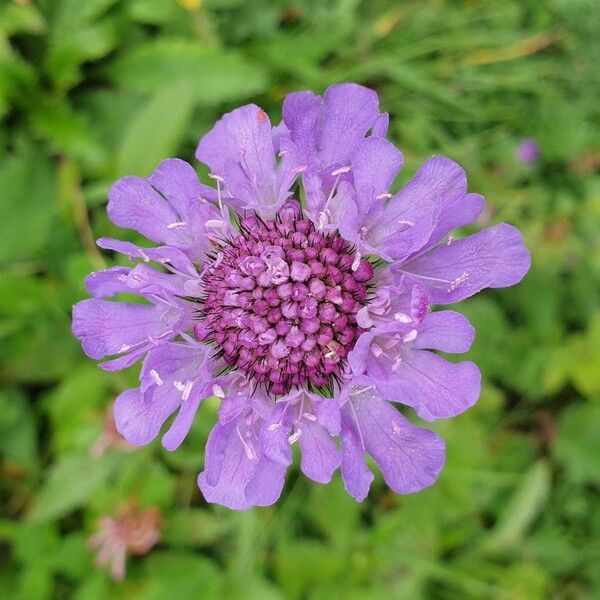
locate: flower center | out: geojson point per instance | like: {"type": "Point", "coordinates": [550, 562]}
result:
{"type": "Point", "coordinates": [281, 300]}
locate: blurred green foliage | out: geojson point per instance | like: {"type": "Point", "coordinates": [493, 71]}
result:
{"type": "Point", "coordinates": [94, 89]}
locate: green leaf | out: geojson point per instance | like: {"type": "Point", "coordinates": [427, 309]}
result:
{"type": "Point", "coordinates": [69, 484]}
{"type": "Point", "coordinates": [577, 445]}
{"type": "Point", "coordinates": [155, 132]}
{"type": "Point", "coordinates": [214, 76]}
{"type": "Point", "coordinates": [522, 509]}
{"type": "Point", "coordinates": [28, 184]}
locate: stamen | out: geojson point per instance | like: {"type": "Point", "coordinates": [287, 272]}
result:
{"type": "Point", "coordinates": [410, 336]}
{"type": "Point", "coordinates": [341, 171]}
{"type": "Point", "coordinates": [156, 377]}
{"type": "Point", "coordinates": [402, 317]}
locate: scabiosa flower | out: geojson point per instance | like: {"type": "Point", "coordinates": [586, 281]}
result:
{"type": "Point", "coordinates": [132, 531]}
{"type": "Point", "coordinates": [528, 152]}
{"type": "Point", "coordinates": [297, 289]}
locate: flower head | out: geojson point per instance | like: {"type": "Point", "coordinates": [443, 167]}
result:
{"type": "Point", "coordinates": [131, 531]}
{"type": "Point", "coordinates": [528, 152]}
{"type": "Point", "coordinates": [307, 313]}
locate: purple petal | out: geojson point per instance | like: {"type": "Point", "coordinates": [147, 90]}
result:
{"type": "Point", "coordinates": [434, 387]}
{"type": "Point", "coordinates": [495, 257]}
{"type": "Point", "coordinates": [350, 111]}
{"type": "Point", "coordinates": [456, 211]}
{"type": "Point", "coordinates": [445, 330]}
{"type": "Point", "coordinates": [181, 425]}
{"type": "Point", "coordinates": [139, 421]}
{"type": "Point", "coordinates": [164, 255]}
{"type": "Point", "coordinates": [103, 284]}
{"type": "Point", "coordinates": [239, 149]}
{"type": "Point", "coordinates": [320, 454]}
{"type": "Point", "coordinates": [134, 204]}
{"type": "Point", "coordinates": [410, 458]}
{"type": "Point", "coordinates": [375, 164]}
{"type": "Point", "coordinates": [327, 411]}
{"type": "Point", "coordinates": [381, 125]}
{"type": "Point", "coordinates": [409, 219]}
{"type": "Point", "coordinates": [301, 114]}
{"type": "Point", "coordinates": [243, 135]}
{"type": "Point", "coordinates": [228, 467]}
{"type": "Point", "coordinates": [446, 181]}
{"type": "Point", "coordinates": [178, 182]}
{"type": "Point", "coordinates": [266, 484]}
{"type": "Point", "coordinates": [355, 473]}
{"type": "Point", "coordinates": [108, 328]}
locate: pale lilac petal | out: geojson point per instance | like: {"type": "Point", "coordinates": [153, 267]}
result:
{"type": "Point", "coordinates": [181, 425]}
{"type": "Point", "coordinates": [242, 135]}
{"type": "Point", "coordinates": [164, 255]}
{"type": "Point", "coordinates": [266, 484]}
{"type": "Point", "coordinates": [239, 149]}
{"type": "Point", "coordinates": [445, 330]}
{"type": "Point", "coordinates": [228, 467]}
{"type": "Point", "coordinates": [381, 125]}
{"type": "Point", "coordinates": [301, 114]}
{"type": "Point", "coordinates": [320, 454]}
{"type": "Point", "coordinates": [410, 458]}
{"type": "Point", "coordinates": [106, 328]}
{"type": "Point", "coordinates": [140, 421]}
{"type": "Point", "coordinates": [411, 216]}
{"type": "Point", "coordinates": [275, 433]}
{"type": "Point", "coordinates": [178, 182]}
{"type": "Point", "coordinates": [434, 387]}
{"type": "Point", "coordinates": [327, 411]}
{"type": "Point", "coordinates": [495, 257]}
{"type": "Point", "coordinates": [125, 361]}
{"type": "Point", "coordinates": [134, 204]}
{"type": "Point", "coordinates": [350, 111]}
{"type": "Point", "coordinates": [456, 211]}
{"type": "Point", "coordinates": [355, 473]}
{"type": "Point", "coordinates": [109, 282]}
{"type": "Point", "coordinates": [375, 164]}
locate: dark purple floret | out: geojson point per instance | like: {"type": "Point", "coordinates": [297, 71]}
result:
{"type": "Point", "coordinates": [281, 302]}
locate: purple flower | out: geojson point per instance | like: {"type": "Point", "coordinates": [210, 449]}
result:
{"type": "Point", "coordinates": [310, 319]}
{"type": "Point", "coordinates": [528, 152]}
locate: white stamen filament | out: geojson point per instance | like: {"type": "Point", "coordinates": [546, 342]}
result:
{"type": "Point", "coordinates": [402, 317]}
{"type": "Point", "coordinates": [410, 336]}
{"type": "Point", "coordinates": [156, 377]}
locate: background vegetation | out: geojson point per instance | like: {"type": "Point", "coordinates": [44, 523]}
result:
{"type": "Point", "coordinates": [94, 89]}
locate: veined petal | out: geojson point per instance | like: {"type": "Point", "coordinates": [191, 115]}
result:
{"type": "Point", "coordinates": [445, 330]}
{"type": "Point", "coordinates": [138, 420]}
{"type": "Point", "coordinates": [434, 387]}
{"type": "Point", "coordinates": [107, 328]}
{"type": "Point", "coordinates": [229, 464]}
{"type": "Point", "coordinates": [375, 164]}
{"type": "Point", "coordinates": [134, 204]}
{"type": "Point", "coordinates": [320, 454]}
{"type": "Point", "coordinates": [495, 257]}
{"type": "Point", "coordinates": [410, 458]}
{"type": "Point", "coordinates": [178, 182]}
{"type": "Point", "coordinates": [109, 282]}
{"type": "Point", "coordinates": [355, 473]}
{"type": "Point", "coordinates": [350, 111]}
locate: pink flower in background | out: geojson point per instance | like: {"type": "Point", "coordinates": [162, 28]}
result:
{"type": "Point", "coordinates": [528, 152]}
{"type": "Point", "coordinates": [133, 531]}
{"type": "Point", "coordinates": [298, 290]}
